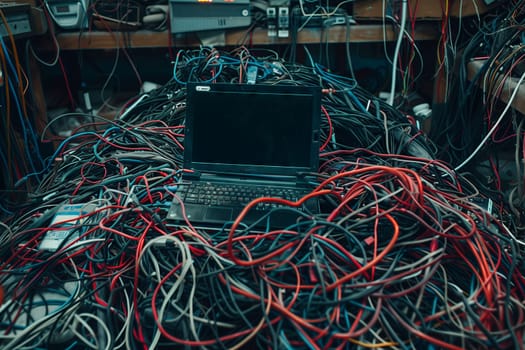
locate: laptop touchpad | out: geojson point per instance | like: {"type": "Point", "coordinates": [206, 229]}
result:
{"type": "Point", "coordinates": [221, 214]}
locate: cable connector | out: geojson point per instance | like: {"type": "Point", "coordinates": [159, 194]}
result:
{"type": "Point", "coordinates": [339, 19]}
{"type": "Point", "coordinates": [328, 91]}
{"type": "Point", "coordinates": [422, 111]}
{"type": "Point", "coordinates": [251, 74]}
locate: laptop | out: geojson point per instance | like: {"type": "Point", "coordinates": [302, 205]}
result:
{"type": "Point", "coordinates": [258, 137]}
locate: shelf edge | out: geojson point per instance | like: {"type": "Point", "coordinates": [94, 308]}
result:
{"type": "Point", "coordinates": [148, 39]}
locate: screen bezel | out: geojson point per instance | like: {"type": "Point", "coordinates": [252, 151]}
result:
{"type": "Point", "coordinates": [314, 95]}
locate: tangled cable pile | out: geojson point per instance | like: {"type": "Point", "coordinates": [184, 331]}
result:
{"type": "Point", "coordinates": [407, 253]}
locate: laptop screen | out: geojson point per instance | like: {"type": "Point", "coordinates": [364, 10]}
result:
{"type": "Point", "coordinates": [252, 129]}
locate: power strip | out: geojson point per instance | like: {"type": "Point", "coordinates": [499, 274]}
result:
{"type": "Point", "coordinates": [66, 226]}
{"type": "Point", "coordinates": [18, 18]}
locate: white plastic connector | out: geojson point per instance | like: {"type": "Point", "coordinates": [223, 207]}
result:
{"type": "Point", "coordinates": [148, 86]}
{"type": "Point", "coordinates": [87, 102]}
{"type": "Point", "coordinates": [422, 111]}
{"type": "Point", "coordinates": [384, 95]}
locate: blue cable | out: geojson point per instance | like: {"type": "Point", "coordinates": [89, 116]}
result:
{"type": "Point", "coordinates": [330, 77]}
{"type": "Point", "coordinates": [27, 130]}
{"type": "Point", "coordinates": [72, 346]}
{"type": "Point", "coordinates": [434, 307]}
{"type": "Point", "coordinates": [26, 126]}
{"type": "Point", "coordinates": [6, 51]}
{"type": "Point", "coordinates": [99, 141]}
{"type": "Point", "coordinates": [334, 249]}
{"type": "Point", "coordinates": [306, 341]}
{"type": "Point", "coordinates": [350, 82]}
{"type": "Point", "coordinates": [5, 210]}
{"type": "Point", "coordinates": [285, 342]}
{"type": "Point", "coordinates": [221, 61]}
{"type": "Point", "coordinates": [177, 63]}
{"type": "Point", "coordinates": [3, 159]}
{"type": "Point", "coordinates": [63, 143]}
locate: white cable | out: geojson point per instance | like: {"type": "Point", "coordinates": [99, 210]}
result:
{"type": "Point", "coordinates": [91, 332]}
{"type": "Point", "coordinates": [404, 11]}
{"type": "Point", "coordinates": [387, 132]}
{"type": "Point", "coordinates": [325, 13]}
{"type": "Point", "coordinates": [514, 238]}
{"type": "Point", "coordinates": [100, 323]}
{"type": "Point", "coordinates": [495, 126]}
{"type": "Point", "coordinates": [110, 76]}
{"type": "Point", "coordinates": [126, 112]}
{"type": "Point", "coordinates": [127, 321]}
{"type": "Point", "coordinates": [54, 61]}
{"type": "Point", "coordinates": [32, 331]}
{"type": "Point", "coordinates": [187, 268]}
{"type": "Point", "coordinates": [409, 38]}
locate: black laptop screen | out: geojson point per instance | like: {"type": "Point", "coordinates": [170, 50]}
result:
{"type": "Point", "coordinates": [239, 128]}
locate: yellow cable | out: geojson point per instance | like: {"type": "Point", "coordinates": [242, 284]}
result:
{"type": "Point", "coordinates": [17, 63]}
{"type": "Point", "coordinates": [373, 346]}
{"type": "Point", "coordinates": [5, 79]}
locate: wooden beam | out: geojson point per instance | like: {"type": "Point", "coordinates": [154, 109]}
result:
{"type": "Point", "coordinates": [509, 84]}
{"type": "Point", "coordinates": [149, 39]}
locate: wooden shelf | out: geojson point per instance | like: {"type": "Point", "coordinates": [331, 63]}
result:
{"type": "Point", "coordinates": [509, 84]}
{"type": "Point", "coordinates": [105, 40]}
{"type": "Point", "coordinates": [148, 39]}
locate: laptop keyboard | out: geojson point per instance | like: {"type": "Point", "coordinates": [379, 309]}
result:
{"type": "Point", "coordinates": [235, 195]}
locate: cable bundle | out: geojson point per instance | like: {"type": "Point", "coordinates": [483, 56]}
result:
{"type": "Point", "coordinates": [20, 152]}
{"type": "Point", "coordinates": [478, 131]}
{"type": "Point", "coordinates": [406, 254]}
{"type": "Point", "coordinates": [403, 258]}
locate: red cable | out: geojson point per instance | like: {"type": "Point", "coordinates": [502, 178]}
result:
{"type": "Point", "coordinates": [66, 81]}
{"type": "Point", "coordinates": [330, 128]}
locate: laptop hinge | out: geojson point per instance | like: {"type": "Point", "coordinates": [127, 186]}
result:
{"type": "Point", "coordinates": [300, 180]}
{"type": "Point", "coordinates": [305, 180]}
{"type": "Point", "coordinates": [192, 175]}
